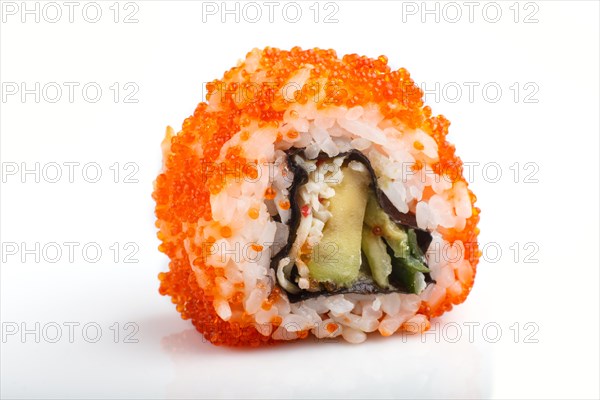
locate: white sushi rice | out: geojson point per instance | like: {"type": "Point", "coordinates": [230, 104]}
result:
{"type": "Point", "coordinates": [332, 130]}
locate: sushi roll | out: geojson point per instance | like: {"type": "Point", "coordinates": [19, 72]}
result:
{"type": "Point", "coordinates": [313, 196]}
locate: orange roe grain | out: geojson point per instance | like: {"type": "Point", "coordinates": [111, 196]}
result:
{"type": "Point", "coordinates": [417, 166]}
{"type": "Point", "coordinates": [253, 213]}
{"type": "Point", "coordinates": [292, 134]}
{"type": "Point", "coordinates": [284, 205]}
{"type": "Point", "coordinates": [225, 231]}
{"type": "Point", "coordinates": [270, 193]}
{"type": "Point", "coordinates": [303, 334]}
{"type": "Point", "coordinates": [256, 247]}
{"type": "Point", "coordinates": [238, 297]}
{"type": "Point", "coordinates": [250, 171]}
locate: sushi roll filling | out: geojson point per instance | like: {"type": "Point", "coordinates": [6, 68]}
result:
{"type": "Point", "coordinates": [345, 235]}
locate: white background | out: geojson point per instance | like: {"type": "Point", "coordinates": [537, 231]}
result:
{"type": "Point", "coordinates": [168, 54]}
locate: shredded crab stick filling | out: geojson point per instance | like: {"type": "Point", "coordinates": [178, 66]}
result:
{"type": "Point", "coordinates": [313, 195]}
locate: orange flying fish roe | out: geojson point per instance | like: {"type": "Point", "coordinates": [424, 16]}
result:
{"type": "Point", "coordinates": [182, 190]}
{"type": "Point", "coordinates": [284, 204]}
{"type": "Point", "coordinates": [251, 171]}
{"type": "Point", "coordinates": [225, 231]}
{"type": "Point", "coordinates": [253, 213]}
{"type": "Point", "coordinates": [270, 193]}
{"type": "Point", "coordinates": [292, 134]}
{"type": "Point", "coordinates": [256, 247]}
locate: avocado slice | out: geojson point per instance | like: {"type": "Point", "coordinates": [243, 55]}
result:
{"type": "Point", "coordinates": [336, 259]}
{"type": "Point", "coordinates": [395, 236]}
{"type": "Point", "coordinates": [378, 259]}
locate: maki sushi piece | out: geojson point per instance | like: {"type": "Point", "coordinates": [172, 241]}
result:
{"type": "Point", "coordinates": [312, 195]}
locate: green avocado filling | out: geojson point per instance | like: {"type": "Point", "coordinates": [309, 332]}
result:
{"type": "Point", "coordinates": [360, 236]}
{"type": "Point", "coordinates": [337, 258]}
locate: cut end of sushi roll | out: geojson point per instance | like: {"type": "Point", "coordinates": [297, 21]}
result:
{"type": "Point", "coordinates": [313, 195]}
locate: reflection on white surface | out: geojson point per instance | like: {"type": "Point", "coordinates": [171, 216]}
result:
{"type": "Point", "coordinates": [167, 358]}
{"type": "Point", "coordinates": [395, 367]}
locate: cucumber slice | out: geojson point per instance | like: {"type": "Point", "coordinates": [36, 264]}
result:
{"type": "Point", "coordinates": [378, 259]}
{"type": "Point", "coordinates": [408, 272]}
{"type": "Point", "coordinates": [415, 249]}
{"type": "Point", "coordinates": [411, 280]}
